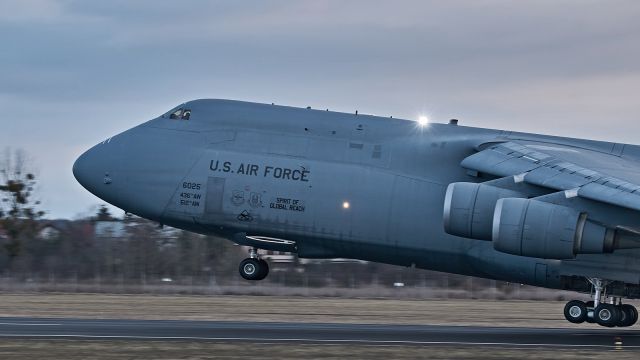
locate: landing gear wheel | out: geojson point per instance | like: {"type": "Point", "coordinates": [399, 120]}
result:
{"type": "Point", "coordinates": [253, 269]}
{"type": "Point", "coordinates": [607, 315]}
{"type": "Point", "coordinates": [250, 269]}
{"type": "Point", "coordinates": [575, 312]}
{"type": "Point", "coordinates": [629, 315]}
{"type": "Point", "coordinates": [635, 315]}
{"type": "Point", "coordinates": [265, 269]}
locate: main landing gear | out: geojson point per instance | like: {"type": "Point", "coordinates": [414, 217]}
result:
{"type": "Point", "coordinates": [604, 310]}
{"type": "Point", "coordinates": [253, 268]}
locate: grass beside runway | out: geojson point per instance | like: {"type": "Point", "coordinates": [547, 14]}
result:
{"type": "Point", "coordinates": [251, 308]}
{"type": "Point", "coordinates": [74, 349]}
{"type": "Point", "coordinates": [293, 309]}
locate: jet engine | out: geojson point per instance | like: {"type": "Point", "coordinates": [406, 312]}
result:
{"type": "Point", "coordinates": [543, 230]}
{"type": "Point", "coordinates": [469, 209]}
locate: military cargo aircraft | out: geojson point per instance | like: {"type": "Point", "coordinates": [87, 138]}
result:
{"type": "Point", "coordinates": [546, 211]}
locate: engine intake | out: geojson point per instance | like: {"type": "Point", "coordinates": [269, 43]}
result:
{"type": "Point", "coordinates": [469, 209]}
{"type": "Point", "coordinates": [543, 230]}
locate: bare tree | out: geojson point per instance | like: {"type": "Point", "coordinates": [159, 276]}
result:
{"type": "Point", "coordinates": [104, 214]}
{"type": "Point", "coordinates": [17, 185]}
{"type": "Point", "coordinates": [18, 211]}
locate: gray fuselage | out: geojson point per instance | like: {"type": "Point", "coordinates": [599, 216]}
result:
{"type": "Point", "coordinates": [330, 184]}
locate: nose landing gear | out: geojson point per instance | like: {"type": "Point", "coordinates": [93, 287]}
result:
{"type": "Point", "coordinates": [253, 268]}
{"type": "Point", "coordinates": [604, 310]}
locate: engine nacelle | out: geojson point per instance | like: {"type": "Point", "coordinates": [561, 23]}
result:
{"type": "Point", "coordinates": [543, 230]}
{"type": "Point", "coordinates": [469, 209]}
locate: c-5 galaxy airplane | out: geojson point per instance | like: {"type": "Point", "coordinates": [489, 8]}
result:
{"type": "Point", "coordinates": [546, 211]}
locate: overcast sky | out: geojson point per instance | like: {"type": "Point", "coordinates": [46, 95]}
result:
{"type": "Point", "coordinates": [73, 73]}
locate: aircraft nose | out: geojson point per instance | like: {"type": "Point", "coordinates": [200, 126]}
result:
{"type": "Point", "coordinates": [93, 170]}
{"type": "Point", "coordinates": [84, 170]}
{"type": "Point", "coordinates": [80, 169]}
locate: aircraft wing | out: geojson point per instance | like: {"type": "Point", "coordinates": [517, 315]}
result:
{"type": "Point", "coordinates": [604, 176]}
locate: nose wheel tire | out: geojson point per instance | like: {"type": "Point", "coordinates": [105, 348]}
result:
{"type": "Point", "coordinates": [575, 312]}
{"type": "Point", "coordinates": [265, 268]}
{"type": "Point", "coordinates": [253, 269]}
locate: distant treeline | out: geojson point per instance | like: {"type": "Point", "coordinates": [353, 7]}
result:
{"type": "Point", "coordinates": [136, 251]}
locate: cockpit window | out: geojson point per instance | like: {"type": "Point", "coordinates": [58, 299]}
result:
{"type": "Point", "coordinates": [179, 113]}
{"type": "Point", "coordinates": [176, 114]}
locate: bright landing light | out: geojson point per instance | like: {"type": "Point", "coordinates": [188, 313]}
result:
{"type": "Point", "coordinates": [423, 120]}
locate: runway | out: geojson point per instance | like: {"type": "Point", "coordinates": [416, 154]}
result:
{"type": "Point", "coordinates": [257, 332]}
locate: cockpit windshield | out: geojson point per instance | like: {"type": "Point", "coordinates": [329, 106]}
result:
{"type": "Point", "coordinates": [179, 113]}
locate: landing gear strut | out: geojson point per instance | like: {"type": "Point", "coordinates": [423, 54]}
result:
{"type": "Point", "coordinates": [604, 310]}
{"type": "Point", "coordinates": [253, 268]}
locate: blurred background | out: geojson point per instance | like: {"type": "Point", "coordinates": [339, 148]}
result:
{"type": "Point", "coordinates": [104, 254]}
{"type": "Point", "coordinates": [73, 73]}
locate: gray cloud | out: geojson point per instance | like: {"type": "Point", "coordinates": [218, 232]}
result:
{"type": "Point", "coordinates": [75, 72]}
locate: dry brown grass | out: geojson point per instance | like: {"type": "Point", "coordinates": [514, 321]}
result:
{"type": "Point", "coordinates": [72, 350]}
{"type": "Point", "coordinates": [292, 309]}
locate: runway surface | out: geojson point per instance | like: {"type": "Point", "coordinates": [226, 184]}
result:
{"type": "Point", "coordinates": [256, 332]}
